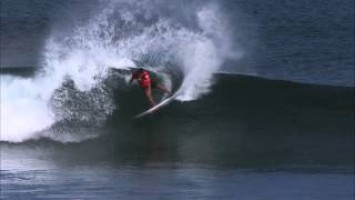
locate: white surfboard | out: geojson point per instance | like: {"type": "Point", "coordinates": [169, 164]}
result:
{"type": "Point", "coordinates": [157, 107]}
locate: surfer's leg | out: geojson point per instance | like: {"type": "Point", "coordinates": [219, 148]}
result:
{"type": "Point", "coordinates": [162, 88]}
{"type": "Point", "coordinates": [148, 94]}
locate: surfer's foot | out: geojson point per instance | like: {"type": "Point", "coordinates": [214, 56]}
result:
{"type": "Point", "coordinates": [152, 103]}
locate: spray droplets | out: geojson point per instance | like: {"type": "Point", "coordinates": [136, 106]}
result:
{"type": "Point", "coordinates": [118, 32]}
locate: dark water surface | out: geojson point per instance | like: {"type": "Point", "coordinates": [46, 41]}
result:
{"type": "Point", "coordinates": [286, 141]}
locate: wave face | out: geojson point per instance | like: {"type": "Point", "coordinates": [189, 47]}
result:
{"type": "Point", "coordinates": [282, 124]}
{"type": "Point", "coordinates": [192, 43]}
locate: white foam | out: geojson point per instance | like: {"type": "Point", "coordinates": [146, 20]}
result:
{"type": "Point", "coordinates": [24, 109]}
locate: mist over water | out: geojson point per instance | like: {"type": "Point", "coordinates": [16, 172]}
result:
{"type": "Point", "coordinates": [115, 33]}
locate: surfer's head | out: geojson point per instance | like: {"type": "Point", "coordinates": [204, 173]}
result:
{"type": "Point", "coordinates": [139, 70]}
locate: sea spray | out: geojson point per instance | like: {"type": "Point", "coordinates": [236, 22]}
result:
{"type": "Point", "coordinates": [118, 32]}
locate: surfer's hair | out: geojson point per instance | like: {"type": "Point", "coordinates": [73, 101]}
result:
{"type": "Point", "coordinates": [139, 70]}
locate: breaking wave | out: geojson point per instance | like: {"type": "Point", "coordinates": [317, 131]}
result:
{"type": "Point", "coordinates": [189, 42]}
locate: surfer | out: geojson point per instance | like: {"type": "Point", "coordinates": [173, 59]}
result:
{"type": "Point", "coordinates": [145, 81]}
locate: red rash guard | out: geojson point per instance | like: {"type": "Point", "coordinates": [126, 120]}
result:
{"type": "Point", "coordinates": [143, 78]}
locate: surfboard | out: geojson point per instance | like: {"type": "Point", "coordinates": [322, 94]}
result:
{"type": "Point", "coordinates": [157, 107]}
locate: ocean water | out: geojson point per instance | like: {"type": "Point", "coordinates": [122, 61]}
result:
{"type": "Point", "coordinates": [265, 105]}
